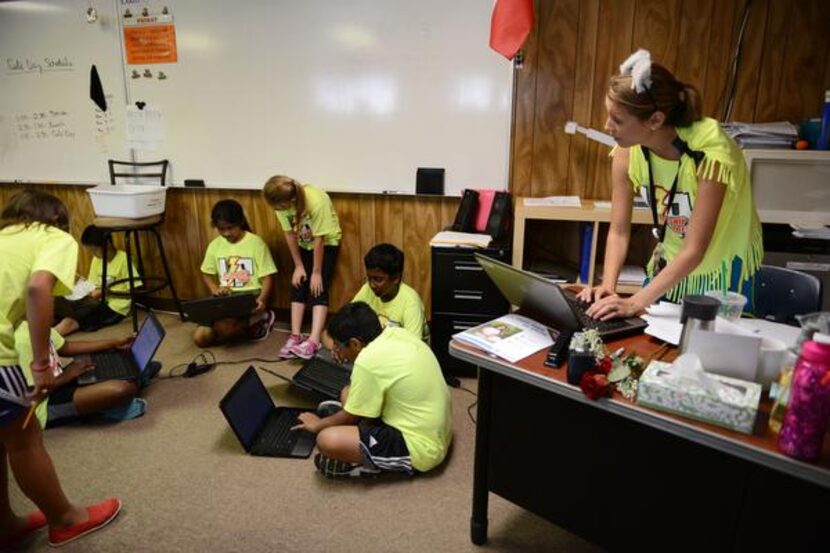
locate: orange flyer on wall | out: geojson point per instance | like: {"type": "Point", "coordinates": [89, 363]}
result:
{"type": "Point", "coordinates": [150, 44]}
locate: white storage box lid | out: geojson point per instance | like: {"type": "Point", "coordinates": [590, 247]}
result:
{"type": "Point", "coordinates": [129, 201]}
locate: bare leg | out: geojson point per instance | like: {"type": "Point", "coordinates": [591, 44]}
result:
{"type": "Point", "coordinates": [318, 321]}
{"type": "Point", "coordinates": [67, 326]}
{"type": "Point", "coordinates": [341, 442]}
{"type": "Point", "coordinates": [8, 520]}
{"type": "Point", "coordinates": [204, 337]}
{"type": "Point", "coordinates": [103, 395]}
{"type": "Point", "coordinates": [35, 473]}
{"type": "Point", "coordinates": [297, 311]}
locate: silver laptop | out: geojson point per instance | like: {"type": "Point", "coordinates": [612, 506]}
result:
{"type": "Point", "coordinates": [547, 303]}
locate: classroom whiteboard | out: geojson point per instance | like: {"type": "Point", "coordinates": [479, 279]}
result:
{"type": "Point", "coordinates": [347, 95]}
{"type": "Point", "coordinates": [50, 130]}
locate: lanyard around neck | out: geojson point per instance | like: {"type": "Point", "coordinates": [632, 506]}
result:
{"type": "Point", "coordinates": [681, 146]}
{"type": "Point", "coordinates": [659, 231]}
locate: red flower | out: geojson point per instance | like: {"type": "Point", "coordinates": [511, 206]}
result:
{"type": "Point", "coordinates": [604, 366]}
{"type": "Point", "coordinates": [594, 385]}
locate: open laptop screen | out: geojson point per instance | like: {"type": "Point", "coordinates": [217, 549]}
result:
{"type": "Point", "coordinates": [147, 342]}
{"type": "Point", "coordinates": [246, 407]}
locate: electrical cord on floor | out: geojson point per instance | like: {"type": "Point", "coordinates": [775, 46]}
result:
{"type": "Point", "coordinates": [473, 404]}
{"type": "Point", "coordinates": [201, 363]}
{"type": "Point", "coordinates": [206, 361]}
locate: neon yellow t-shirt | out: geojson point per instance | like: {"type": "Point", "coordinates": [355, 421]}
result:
{"type": "Point", "coordinates": [396, 378]}
{"type": "Point", "coordinates": [737, 235]}
{"type": "Point", "coordinates": [320, 220]}
{"type": "Point", "coordinates": [116, 270]}
{"type": "Point", "coordinates": [240, 266]}
{"type": "Point", "coordinates": [23, 345]}
{"type": "Point", "coordinates": [26, 250]}
{"type": "Point", "coordinates": [405, 310]}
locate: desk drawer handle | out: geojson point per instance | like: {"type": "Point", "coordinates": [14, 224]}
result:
{"type": "Point", "coordinates": [467, 296]}
{"type": "Point", "coordinates": [471, 268]}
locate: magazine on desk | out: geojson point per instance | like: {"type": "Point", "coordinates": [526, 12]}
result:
{"type": "Point", "coordinates": [511, 337]}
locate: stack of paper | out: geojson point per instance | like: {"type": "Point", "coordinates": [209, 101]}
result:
{"type": "Point", "coordinates": [781, 134]}
{"type": "Point", "coordinates": [629, 275]}
{"type": "Point", "coordinates": [556, 201]}
{"type": "Point", "coordinates": [469, 239]}
{"type": "Point", "coordinates": [819, 233]}
{"type": "Point", "coordinates": [82, 289]}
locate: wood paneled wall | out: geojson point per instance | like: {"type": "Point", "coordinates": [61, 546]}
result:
{"type": "Point", "coordinates": [405, 221]}
{"type": "Point", "coordinates": [575, 47]}
{"type": "Point", "coordinates": [578, 44]}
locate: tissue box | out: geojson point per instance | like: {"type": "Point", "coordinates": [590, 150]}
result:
{"type": "Point", "coordinates": [737, 412]}
{"type": "Point", "coordinates": [128, 201]}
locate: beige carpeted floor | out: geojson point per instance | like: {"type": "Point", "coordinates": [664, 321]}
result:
{"type": "Point", "coordinates": [187, 485]}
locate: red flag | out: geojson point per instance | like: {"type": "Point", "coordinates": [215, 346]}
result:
{"type": "Point", "coordinates": [511, 23]}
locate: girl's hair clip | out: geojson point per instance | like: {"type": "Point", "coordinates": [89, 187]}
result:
{"type": "Point", "coordinates": [638, 65]}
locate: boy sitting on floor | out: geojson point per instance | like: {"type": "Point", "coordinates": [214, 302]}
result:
{"type": "Point", "coordinates": [396, 413]}
{"type": "Point", "coordinates": [395, 303]}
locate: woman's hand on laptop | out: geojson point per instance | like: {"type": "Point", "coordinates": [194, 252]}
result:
{"type": "Point", "coordinates": [612, 307]}
{"type": "Point", "coordinates": [591, 294]}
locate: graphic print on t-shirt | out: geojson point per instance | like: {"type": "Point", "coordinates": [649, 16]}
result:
{"type": "Point", "coordinates": [235, 271]}
{"type": "Point", "coordinates": [679, 214]}
{"type": "Point", "coordinates": [305, 235]}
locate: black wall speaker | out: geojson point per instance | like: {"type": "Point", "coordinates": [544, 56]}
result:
{"type": "Point", "coordinates": [429, 180]}
{"type": "Point", "coordinates": [501, 217]}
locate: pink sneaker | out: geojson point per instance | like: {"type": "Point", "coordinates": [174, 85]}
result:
{"type": "Point", "coordinates": [293, 340]}
{"type": "Point", "coordinates": [306, 350]}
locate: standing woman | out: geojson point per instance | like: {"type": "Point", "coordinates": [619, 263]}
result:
{"type": "Point", "coordinates": [39, 261]}
{"type": "Point", "coordinates": [697, 182]}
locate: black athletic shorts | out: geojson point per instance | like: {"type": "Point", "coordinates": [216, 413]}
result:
{"type": "Point", "coordinates": [383, 447]}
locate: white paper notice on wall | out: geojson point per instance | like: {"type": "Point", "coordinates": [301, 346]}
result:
{"type": "Point", "coordinates": [146, 127]}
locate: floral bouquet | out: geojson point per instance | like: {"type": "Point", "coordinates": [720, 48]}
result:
{"type": "Point", "coordinates": [590, 367]}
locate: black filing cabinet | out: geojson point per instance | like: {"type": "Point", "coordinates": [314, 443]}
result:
{"type": "Point", "coordinates": [463, 296]}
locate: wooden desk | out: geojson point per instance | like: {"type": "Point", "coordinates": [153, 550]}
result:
{"type": "Point", "coordinates": [631, 478]}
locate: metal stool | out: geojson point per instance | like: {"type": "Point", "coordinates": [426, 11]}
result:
{"type": "Point", "coordinates": [132, 229]}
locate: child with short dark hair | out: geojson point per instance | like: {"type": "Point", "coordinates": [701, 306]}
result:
{"type": "Point", "coordinates": [395, 302]}
{"type": "Point", "coordinates": [39, 261]}
{"type": "Point", "coordinates": [312, 232]}
{"type": "Point", "coordinates": [90, 313]}
{"type": "Point", "coordinates": [237, 262]}
{"type": "Point", "coordinates": [396, 413]}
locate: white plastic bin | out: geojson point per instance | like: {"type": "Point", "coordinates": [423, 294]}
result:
{"type": "Point", "coordinates": [128, 201]}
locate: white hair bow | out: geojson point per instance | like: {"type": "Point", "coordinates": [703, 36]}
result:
{"type": "Point", "coordinates": [638, 65]}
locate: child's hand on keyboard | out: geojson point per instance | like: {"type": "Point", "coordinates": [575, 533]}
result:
{"type": "Point", "coordinates": [308, 422]}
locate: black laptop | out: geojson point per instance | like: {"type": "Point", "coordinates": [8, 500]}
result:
{"type": "Point", "coordinates": [206, 311]}
{"type": "Point", "coordinates": [323, 375]}
{"type": "Point", "coordinates": [262, 428]}
{"type": "Point", "coordinates": [549, 304]}
{"type": "Point", "coordinates": [131, 364]}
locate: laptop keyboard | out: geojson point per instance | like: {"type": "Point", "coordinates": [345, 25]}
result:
{"type": "Point", "coordinates": [111, 364]}
{"type": "Point", "coordinates": [277, 436]}
{"type": "Point", "coordinates": [586, 321]}
{"type": "Point", "coordinates": [323, 377]}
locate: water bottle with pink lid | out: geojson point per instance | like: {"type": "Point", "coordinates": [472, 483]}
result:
{"type": "Point", "coordinates": [808, 413]}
